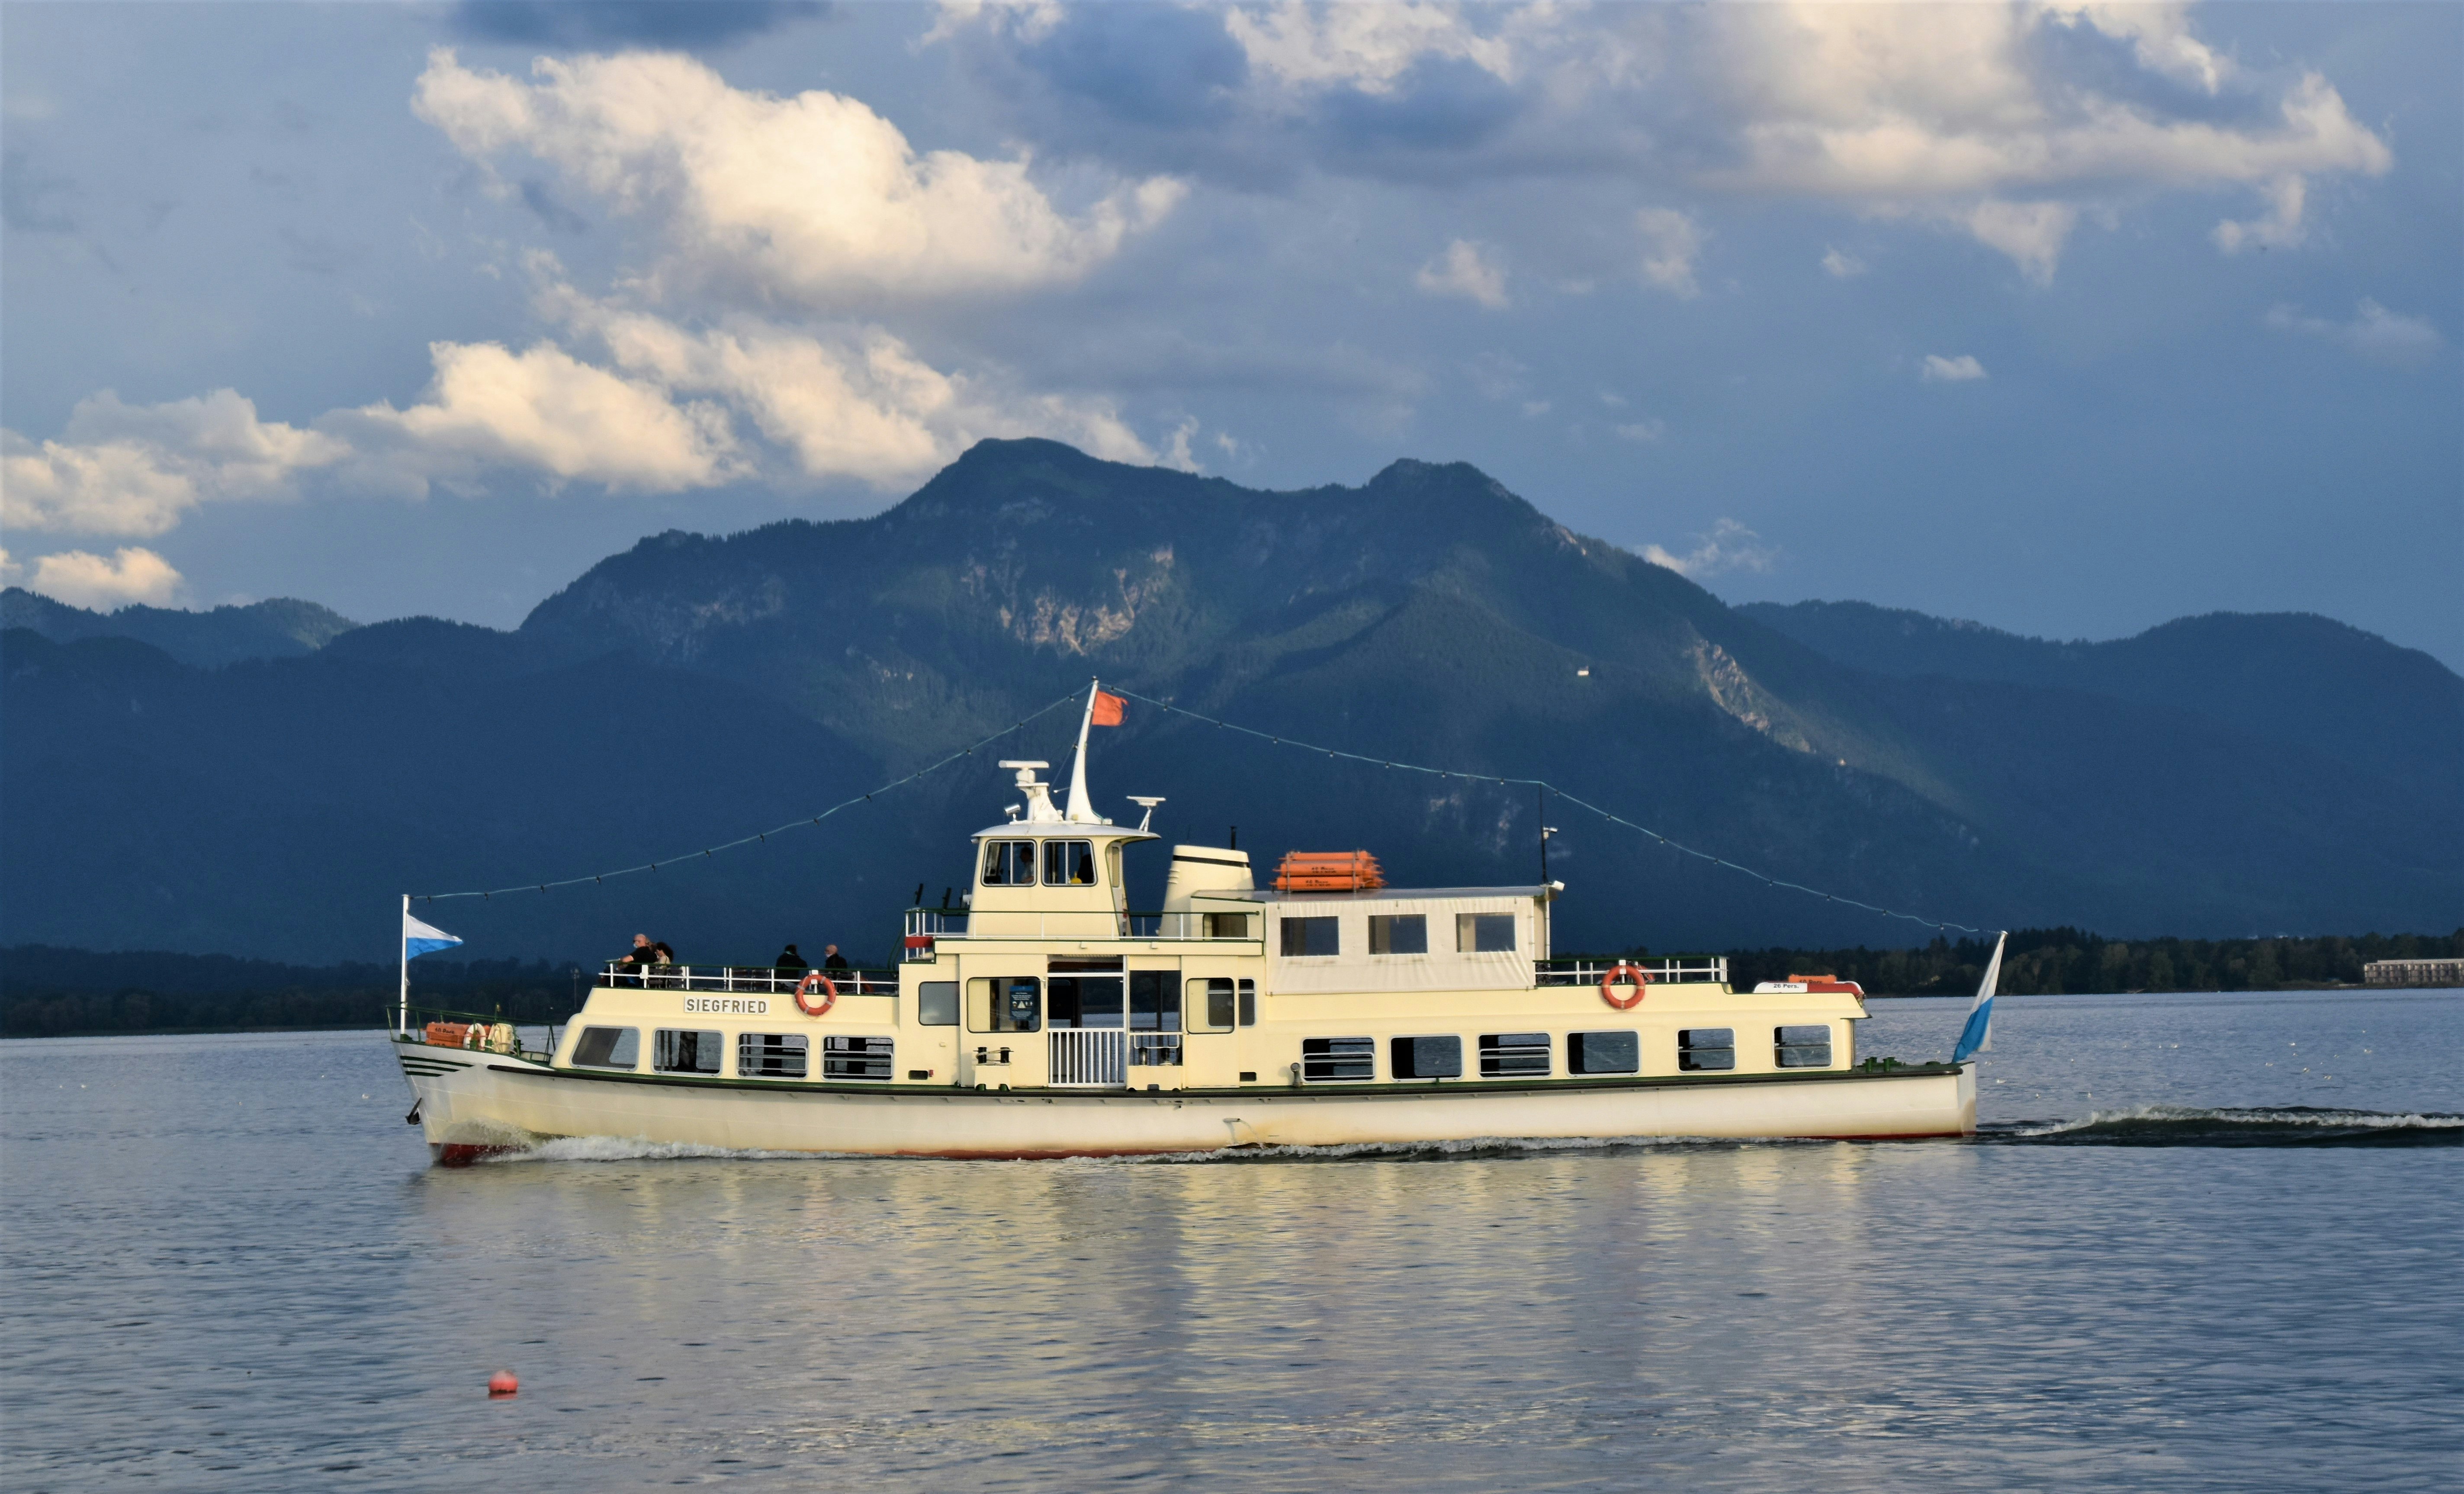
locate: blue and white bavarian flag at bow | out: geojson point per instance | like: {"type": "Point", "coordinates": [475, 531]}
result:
{"type": "Point", "coordinates": [418, 939]}
{"type": "Point", "coordinates": [1977, 1036]}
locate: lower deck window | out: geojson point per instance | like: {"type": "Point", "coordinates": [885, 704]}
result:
{"type": "Point", "coordinates": [1603, 1053]}
{"type": "Point", "coordinates": [1428, 1057]}
{"type": "Point", "coordinates": [1216, 1002]}
{"type": "Point", "coordinates": [1338, 1058]}
{"type": "Point", "coordinates": [1803, 1047]}
{"type": "Point", "coordinates": [609, 1048]}
{"type": "Point", "coordinates": [772, 1055]}
{"type": "Point", "coordinates": [687, 1050]}
{"type": "Point", "coordinates": [1514, 1056]}
{"type": "Point", "coordinates": [1706, 1048]}
{"type": "Point", "coordinates": [855, 1058]}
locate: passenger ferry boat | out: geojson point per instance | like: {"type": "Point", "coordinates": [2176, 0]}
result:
{"type": "Point", "coordinates": [1047, 1019]}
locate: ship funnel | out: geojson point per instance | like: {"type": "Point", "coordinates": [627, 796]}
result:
{"type": "Point", "coordinates": [1203, 868]}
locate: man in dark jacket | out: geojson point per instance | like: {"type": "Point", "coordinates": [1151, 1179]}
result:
{"type": "Point", "coordinates": [789, 960]}
{"type": "Point", "coordinates": [831, 959]}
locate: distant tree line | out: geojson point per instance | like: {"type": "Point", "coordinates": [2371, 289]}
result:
{"type": "Point", "coordinates": [46, 992]}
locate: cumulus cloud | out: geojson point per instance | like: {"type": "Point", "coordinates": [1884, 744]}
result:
{"type": "Point", "coordinates": [1939, 369]}
{"type": "Point", "coordinates": [2374, 333]}
{"type": "Point", "coordinates": [1670, 241]}
{"type": "Point", "coordinates": [1366, 47]}
{"type": "Point", "coordinates": [1464, 270]}
{"type": "Point", "coordinates": [135, 470]}
{"type": "Point", "coordinates": [848, 401]}
{"type": "Point", "coordinates": [1730, 546]}
{"type": "Point", "coordinates": [84, 579]}
{"type": "Point", "coordinates": [815, 199]}
{"type": "Point", "coordinates": [544, 409]}
{"type": "Point", "coordinates": [2010, 123]}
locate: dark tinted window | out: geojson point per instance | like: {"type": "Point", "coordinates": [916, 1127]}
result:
{"type": "Point", "coordinates": [1312, 936]}
{"type": "Point", "coordinates": [1155, 1002]}
{"type": "Point", "coordinates": [771, 1055]}
{"type": "Point", "coordinates": [1398, 933]}
{"type": "Point", "coordinates": [936, 1003]}
{"type": "Point", "coordinates": [855, 1058]}
{"type": "Point", "coordinates": [1428, 1057]}
{"type": "Point", "coordinates": [1009, 863]}
{"type": "Point", "coordinates": [1084, 1001]}
{"type": "Point", "coordinates": [1210, 1001]}
{"type": "Point", "coordinates": [1338, 1058]}
{"type": "Point", "coordinates": [1704, 1048]}
{"type": "Point", "coordinates": [687, 1052]}
{"type": "Point", "coordinates": [609, 1048]}
{"type": "Point", "coordinates": [1070, 863]}
{"type": "Point", "coordinates": [1484, 933]}
{"type": "Point", "coordinates": [1803, 1047]}
{"type": "Point", "coordinates": [1248, 1003]}
{"type": "Point", "coordinates": [1603, 1053]}
{"type": "Point", "coordinates": [1514, 1056]}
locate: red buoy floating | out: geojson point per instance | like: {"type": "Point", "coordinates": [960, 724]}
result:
{"type": "Point", "coordinates": [503, 1383]}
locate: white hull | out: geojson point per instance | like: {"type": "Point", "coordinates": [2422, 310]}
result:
{"type": "Point", "coordinates": [471, 1103]}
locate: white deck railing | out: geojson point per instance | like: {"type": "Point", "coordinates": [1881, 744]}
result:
{"type": "Point", "coordinates": [743, 979]}
{"type": "Point", "coordinates": [928, 926]}
{"type": "Point", "coordinates": [1090, 1057]}
{"type": "Point", "coordinates": [1666, 972]}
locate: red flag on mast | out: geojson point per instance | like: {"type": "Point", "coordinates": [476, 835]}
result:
{"type": "Point", "coordinates": [1107, 709]}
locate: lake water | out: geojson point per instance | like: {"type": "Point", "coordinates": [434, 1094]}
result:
{"type": "Point", "coordinates": [2209, 1242]}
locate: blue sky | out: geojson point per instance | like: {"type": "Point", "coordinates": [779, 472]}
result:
{"type": "Point", "coordinates": [2069, 318]}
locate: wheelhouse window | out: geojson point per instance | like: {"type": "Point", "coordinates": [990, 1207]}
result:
{"type": "Point", "coordinates": [1009, 863]}
{"type": "Point", "coordinates": [687, 1050]}
{"type": "Point", "coordinates": [1484, 933]}
{"type": "Point", "coordinates": [1803, 1047]}
{"type": "Point", "coordinates": [609, 1048]}
{"type": "Point", "coordinates": [1070, 863]}
{"type": "Point", "coordinates": [1514, 1056]}
{"type": "Point", "coordinates": [772, 1055]}
{"type": "Point", "coordinates": [1308, 936]}
{"type": "Point", "coordinates": [1427, 1058]}
{"type": "Point", "coordinates": [855, 1058]}
{"type": "Point", "coordinates": [1004, 1004]}
{"type": "Point", "coordinates": [1603, 1053]}
{"type": "Point", "coordinates": [936, 1003]}
{"type": "Point", "coordinates": [1227, 925]}
{"type": "Point", "coordinates": [1332, 1058]}
{"type": "Point", "coordinates": [1706, 1048]}
{"type": "Point", "coordinates": [1398, 933]}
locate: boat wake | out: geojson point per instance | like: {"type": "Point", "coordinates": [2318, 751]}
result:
{"type": "Point", "coordinates": [2184, 1126]}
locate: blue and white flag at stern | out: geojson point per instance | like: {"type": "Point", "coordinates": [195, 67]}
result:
{"type": "Point", "coordinates": [1977, 1036]}
{"type": "Point", "coordinates": [418, 939]}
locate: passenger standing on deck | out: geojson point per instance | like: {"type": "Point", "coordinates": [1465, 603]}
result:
{"type": "Point", "coordinates": [666, 960]}
{"type": "Point", "coordinates": [831, 959]}
{"type": "Point", "coordinates": [637, 960]}
{"type": "Point", "coordinates": [789, 960]}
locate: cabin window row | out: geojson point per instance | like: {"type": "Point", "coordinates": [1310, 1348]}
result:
{"type": "Point", "coordinates": [1066, 864]}
{"type": "Point", "coordinates": [701, 1052]}
{"type": "Point", "coordinates": [1142, 1001]}
{"type": "Point", "coordinates": [1530, 1055]}
{"type": "Point", "coordinates": [1400, 933]}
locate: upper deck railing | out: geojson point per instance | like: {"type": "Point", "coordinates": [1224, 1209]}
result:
{"type": "Point", "coordinates": [927, 927]}
{"type": "Point", "coordinates": [1679, 972]}
{"type": "Point", "coordinates": [743, 979]}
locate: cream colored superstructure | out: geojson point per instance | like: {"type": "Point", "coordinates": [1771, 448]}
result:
{"type": "Point", "coordinates": [1050, 1019]}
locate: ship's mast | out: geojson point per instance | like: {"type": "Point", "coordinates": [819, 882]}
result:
{"type": "Point", "coordinates": [1081, 810]}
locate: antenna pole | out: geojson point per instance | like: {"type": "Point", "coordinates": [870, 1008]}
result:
{"type": "Point", "coordinates": [1542, 793]}
{"type": "Point", "coordinates": [402, 948]}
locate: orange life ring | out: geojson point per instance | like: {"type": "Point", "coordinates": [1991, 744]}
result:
{"type": "Point", "coordinates": [1632, 974]}
{"type": "Point", "coordinates": [830, 994]}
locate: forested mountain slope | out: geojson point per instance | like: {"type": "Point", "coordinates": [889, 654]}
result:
{"type": "Point", "coordinates": [694, 689]}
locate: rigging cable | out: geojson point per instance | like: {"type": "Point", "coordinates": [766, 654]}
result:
{"type": "Point", "coordinates": [1541, 783]}
{"type": "Point", "coordinates": [763, 836]}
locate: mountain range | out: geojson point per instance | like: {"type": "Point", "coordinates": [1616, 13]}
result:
{"type": "Point", "coordinates": [265, 780]}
